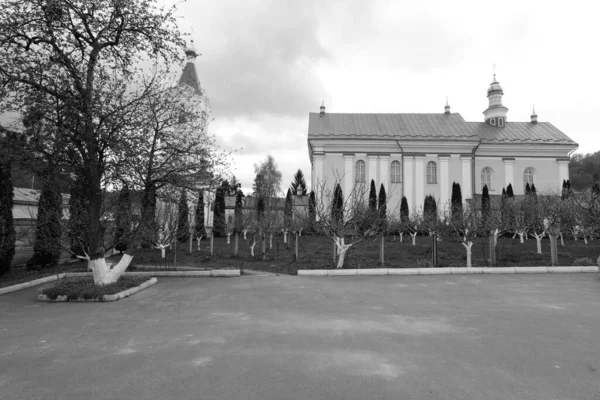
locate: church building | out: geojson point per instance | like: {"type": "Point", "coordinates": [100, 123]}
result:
{"type": "Point", "coordinates": [416, 155]}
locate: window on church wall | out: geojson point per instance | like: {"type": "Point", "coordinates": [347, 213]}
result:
{"type": "Point", "coordinates": [486, 178]}
{"type": "Point", "coordinates": [528, 175]}
{"type": "Point", "coordinates": [359, 171]}
{"type": "Point", "coordinates": [431, 172]}
{"type": "Point", "coordinates": [395, 172]}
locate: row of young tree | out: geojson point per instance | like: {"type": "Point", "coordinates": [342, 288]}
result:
{"type": "Point", "coordinates": [92, 85]}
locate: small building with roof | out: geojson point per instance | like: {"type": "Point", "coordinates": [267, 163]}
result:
{"type": "Point", "coordinates": [415, 155]}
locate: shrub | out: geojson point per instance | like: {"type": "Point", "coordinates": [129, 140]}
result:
{"type": "Point", "coordinates": [583, 262]}
{"type": "Point", "coordinates": [457, 264]}
{"type": "Point", "coordinates": [423, 264]}
{"type": "Point", "coordinates": [76, 288]}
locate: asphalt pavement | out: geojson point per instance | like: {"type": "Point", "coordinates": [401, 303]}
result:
{"type": "Point", "coordinates": [289, 337]}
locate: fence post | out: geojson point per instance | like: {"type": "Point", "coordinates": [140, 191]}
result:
{"type": "Point", "coordinates": [212, 243]}
{"type": "Point", "coordinates": [235, 248]}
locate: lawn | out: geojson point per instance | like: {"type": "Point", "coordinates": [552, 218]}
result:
{"type": "Point", "coordinates": [316, 252]}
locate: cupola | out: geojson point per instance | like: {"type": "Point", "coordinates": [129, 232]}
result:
{"type": "Point", "coordinates": [495, 114]}
{"type": "Point", "coordinates": [533, 116]}
{"type": "Point", "coordinates": [447, 107]}
{"type": "Point", "coordinates": [322, 109]}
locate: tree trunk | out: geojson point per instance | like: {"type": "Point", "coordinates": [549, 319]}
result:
{"type": "Point", "coordinates": [104, 274]}
{"type": "Point", "coordinates": [342, 249]}
{"type": "Point", "coordinates": [414, 238]}
{"type": "Point", "coordinates": [229, 238]}
{"type": "Point", "coordinates": [493, 244]}
{"type": "Point", "coordinates": [401, 235]}
{"type": "Point", "coordinates": [468, 247]}
{"type": "Point", "coordinates": [252, 248]}
{"type": "Point", "coordinates": [562, 242]}
{"type": "Point", "coordinates": [245, 231]}
{"type": "Point", "coordinates": [212, 244]}
{"type": "Point", "coordinates": [163, 252]}
{"type": "Point", "coordinates": [520, 237]}
{"type": "Point", "coordinates": [335, 250]}
{"type": "Point", "coordinates": [585, 239]}
{"type": "Point", "coordinates": [198, 239]}
{"type": "Point", "coordinates": [553, 250]}
{"type": "Point", "coordinates": [191, 241]}
{"type": "Point", "coordinates": [263, 255]}
{"type": "Point", "coordinates": [270, 241]}
{"type": "Point", "coordinates": [538, 240]}
{"type": "Point", "coordinates": [285, 237]}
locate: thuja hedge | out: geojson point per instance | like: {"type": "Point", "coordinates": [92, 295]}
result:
{"type": "Point", "coordinates": [84, 287]}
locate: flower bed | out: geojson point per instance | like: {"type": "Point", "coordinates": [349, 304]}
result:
{"type": "Point", "coordinates": [83, 288]}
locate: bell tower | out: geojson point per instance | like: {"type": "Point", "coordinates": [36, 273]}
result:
{"type": "Point", "coordinates": [495, 114]}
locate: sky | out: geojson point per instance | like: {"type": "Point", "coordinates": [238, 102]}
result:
{"type": "Point", "coordinates": [266, 64]}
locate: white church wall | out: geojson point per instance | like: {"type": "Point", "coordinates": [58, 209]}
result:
{"type": "Point", "coordinates": [432, 188]}
{"type": "Point", "coordinates": [546, 177]}
{"type": "Point", "coordinates": [498, 176]}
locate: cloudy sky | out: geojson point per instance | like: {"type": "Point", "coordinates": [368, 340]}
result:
{"type": "Point", "coordinates": [267, 63]}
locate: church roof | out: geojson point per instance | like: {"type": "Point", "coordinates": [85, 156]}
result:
{"type": "Point", "coordinates": [389, 126]}
{"type": "Point", "coordinates": [520, 132]}
{"type": "Point", "coordinates": [428, 127]}
{"type": "Point", "coordinates": [190, 77]}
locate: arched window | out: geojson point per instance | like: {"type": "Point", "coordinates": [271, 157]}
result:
{"type": "Point", "coordinates": [395, 172]}
{"type": "Point", "coordinates": [431, 172]}
{"type": "Point", "coordinates": [486, 177]}
{"type": "Point", "coordinates": [528, 177]}
{"type": "Point", "coordinates": [359, 171]}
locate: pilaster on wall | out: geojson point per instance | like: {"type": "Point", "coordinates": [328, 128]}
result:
{"type": "Point", "coordinates": [444, 184]}
{"type": "Point", "coordinates": [563, 172]}
{"type": "Point", "coordinates": [408, 181]}
{"type": "Point", "coordinates": [384, 173]}
{"type": "Point", "coordinates": [372, 170]}
{"type": "Point", "coordinates": [317, 179]}
{"type": "Point", "coordinates": [419, 181]}
{"type": "Point", "coordinates": [509, 171]}
{"type": "Point", "coordinates": [348, 175]}
{"type": "Point", "coordinates": [467, 184]}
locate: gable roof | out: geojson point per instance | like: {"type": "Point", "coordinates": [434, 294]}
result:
{"type": "Point", "coordinates": [521, 132]}
{"type": "Point", "coordinates": [389, 126]}
{"type": "Point", "coordinates": [429, 127]}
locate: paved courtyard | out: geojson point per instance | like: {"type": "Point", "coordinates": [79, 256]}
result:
{"type": "Point", "coordinates": [283, 337]}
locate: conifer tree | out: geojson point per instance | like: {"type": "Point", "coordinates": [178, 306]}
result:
{"type": "Point", "coordinates": [533, 190]}
{"type": "Point", "coordinates": [456, 202]}
{"type": "Point", "coordinates": [239, 212]}
{"type": "Point", "coordinates": [299, 182]}
{"type": "Point", "coordinates": [382, 202]}
{"type": "Point", "coordinates": [338, 205]}
{"type": "Point", "coordinates": [287, 212]}
{"type": "Point", "coordinates": [564, 190]}
{"type": "Point", "coordinates": [260, 209]}
{"type": "Point", "coordinates": [372, 196]}
{"type": "Point", "coordinates": [509, 191]}
{"type": "Point", "coordinates": [485, 203]}
{"type": "Point", "coordinates": [48, 232]}
{"type": "Point", "coordinates": [123, 220]}
{"type": "Point", "coordinates": [527, 188]}
{"type": "Point", "coordinates": [7, 229]}
{"type": "Point", "coordinates": [404, 210]}
{"type": "Point", "coordinates": [312, 214]}
{"type": "Point", "coordinates": [199, 228]}
{"type": "Point", "coordinates": [183, 215]}
{"type": "Point", "coordinates": [219, 213]}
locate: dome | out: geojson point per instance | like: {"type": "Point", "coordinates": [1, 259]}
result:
{"type": "Point", "coordinates": [495, 87]}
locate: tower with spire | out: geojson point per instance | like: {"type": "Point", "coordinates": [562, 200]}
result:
{"type": "Point", "coordinates": [189, 76]}
{"type": "Point", "coordinates": [495, 114]}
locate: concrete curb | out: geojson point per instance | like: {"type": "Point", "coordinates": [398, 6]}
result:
{"type": "Point", "coordinates": [217, 273]}
{"type": "Point", "coordinates": [106, 297]}
{"type": "Point", "coordinates": [25, 285]}
{"type": "Point", "coordinates": [253, 272]}
{"type": "Point", "coordinates": [444, 271]}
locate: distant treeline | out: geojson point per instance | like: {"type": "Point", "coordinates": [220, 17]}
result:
{"type": "Point", "coordinates": [584, 170]}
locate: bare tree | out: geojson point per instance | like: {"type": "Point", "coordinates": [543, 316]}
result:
{"type": "Point", "coordinates": [466, 228]}
{"type": "Point", "coordinates": [346, 224]}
